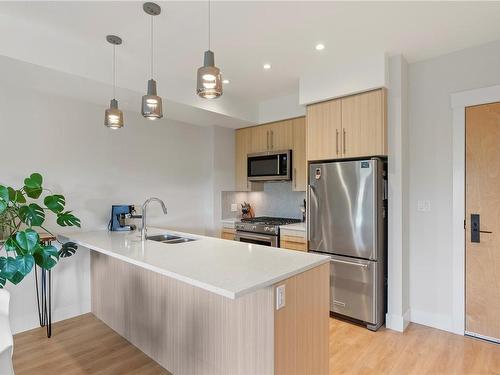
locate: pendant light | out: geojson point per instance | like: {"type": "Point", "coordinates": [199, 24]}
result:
{"type": "Point", "coordinates": [113, 117]}
{"type": "Point", "coordinates": [151, 102]}
{"type": "Point", "coordinates": [209, 81]}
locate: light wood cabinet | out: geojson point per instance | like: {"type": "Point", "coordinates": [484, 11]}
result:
{"type": "Point", "coordinates": [243, 144]}
{"type": "Point", "coordinates": [227, 234]}
{"type": "Point", "coordinates": [353, 126]}
{"type": "Point", "coordinates": [299, 173]}
{"type": "Point", "coordinates": [260, 139]}
{"type": "Point", "coordinates": [324, 128]}
{"type": "Point", "coordinates": [293, 243]}
{"type": "Point", "coordinates": [281, 135]}
{"type": "Point", "coordinates": [364, 130]}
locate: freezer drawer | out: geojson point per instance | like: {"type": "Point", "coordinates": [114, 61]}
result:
{"type": "Point", "coordinates": [353, 288]}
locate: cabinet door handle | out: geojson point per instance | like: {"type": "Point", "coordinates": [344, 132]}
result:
{"type": "Point", "coordinates": [272, 140]}
{"type": "Point", "coordinates": [295, 177]}
{"type": "Point", "coordinates": [267, 135]}
{"type": "Point", "coordinates": [343, 141]}
{"type": "Point", "coordinates": [337, 140]}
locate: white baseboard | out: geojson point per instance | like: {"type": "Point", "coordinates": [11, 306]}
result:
{"type": "Point", "coordinates": [397, 322]}
{"type": "Point", "coordinates": [439, 321]}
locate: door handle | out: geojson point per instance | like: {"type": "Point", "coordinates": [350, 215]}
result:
{"type": "Point", "coordinates": [343, 140]}
{"type": "Point", "coordinates": [294, 177]}
{"type": "Point", "coordinates": [267, 136]}
{"type": "Point", "coordinates": [337, 140]}
{"type": "Point", "coordinates": [272, 140]}
{"type": "Point", "coordinates": [338, 303]}
{"type": "Point", "coordinates": [475, 228]}
{"type": "Point", "coordinates": [349, 263]}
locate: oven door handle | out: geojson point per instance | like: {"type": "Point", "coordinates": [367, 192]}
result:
{"type": "Point", "coordinates": [251, 237]}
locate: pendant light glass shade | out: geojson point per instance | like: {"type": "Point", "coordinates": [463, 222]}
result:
{"type": "Point", "coordinates": [113, 117]}
{"type": "Point", "coordinates": [209, 79]}
{"type": "Point", "coordinates": [209, 82]}
{"type": "Point", "coordinates": [152, 103]}
{"type": "Point", "coordinates": [152, 106]}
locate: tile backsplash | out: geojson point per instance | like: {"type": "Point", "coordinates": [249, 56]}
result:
{"type": "Point", "coordinates": [277, 199]}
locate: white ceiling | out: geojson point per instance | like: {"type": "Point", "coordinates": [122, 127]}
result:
{"type": "Point", "coordinates": [70, 37]}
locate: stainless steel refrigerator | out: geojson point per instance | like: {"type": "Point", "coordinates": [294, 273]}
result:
{"type": "Point", "coordinates": [347, 216]}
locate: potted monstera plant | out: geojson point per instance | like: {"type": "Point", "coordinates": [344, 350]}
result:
{"type": "Point", "coordinates": [22, 217]}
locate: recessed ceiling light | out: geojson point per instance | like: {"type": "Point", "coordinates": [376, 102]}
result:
{"type": "Point", "coordinates": [225, 81]}
{"type": "Point", "coordinates": [320, 46]}
{"type": "Point", "coordinates": [267, 66]}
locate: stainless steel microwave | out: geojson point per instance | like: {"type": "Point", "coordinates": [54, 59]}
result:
{"type": "Point", "coordinates": [270, 166]}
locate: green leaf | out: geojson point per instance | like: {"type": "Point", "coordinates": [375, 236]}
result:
{"type": "Point", "coordinates": [46, 256]}
{"type": "Point", "coordinates": [55, 203]}
{"type": "Point", "coordinates": [32, 215]}
{"type": "Point", "coordinates": [16, 278]}
{"type": "Point", "coordinates": [3, 206]}
{"type": "Point", "coordinates": [34, 181]}
{"type": "Point", "coordinates": [68, 249]}
{"type": "Point", "coordinates": [25, 263]}
{"type": "Point", "coordinates": [27, 240]}
{"type": "Point", "coordinates": [11, 245]}
{"type": "Point", "coordinates": [33, 193]}
{"type": "Point", "coordinates": [66, 219]}
{"type": "Point", "coordinates": [9, 267]}
{"type": "Point", "coordinates": [16, 196]}
{"type": "Point", "coordinates": [4, 194]}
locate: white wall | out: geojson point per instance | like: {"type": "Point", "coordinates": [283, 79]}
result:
{"type": "Point", "coordinates": [430, 117]}
{"type": "Point", "coordinates": [95, 167]}
{"type": "Point", "coordinates": [345, 77]}
{"type": "Point", "coordinates": [280, 108]}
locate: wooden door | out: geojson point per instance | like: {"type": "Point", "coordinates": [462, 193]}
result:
{"type": "Point", "coordinates": [299, 162]}
{"type": "Point", "coordinates": [364, 130]}
{"type": "Point", "coordinates": [260, 139]}
{"type": "Point", "coordinates": [281, 136]}
{"type": "Point", "coordinates": [323, 127]}
{"type": "Point", "coordinates": [482, 259]}
{"type": "Point", "coordinates": [242, 143]}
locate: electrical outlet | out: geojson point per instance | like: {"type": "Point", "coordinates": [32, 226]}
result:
{"type": "Point", "coordinates": [234, 207]}
{"type": "Point", "coordinates": [280, 297]}
{"type": "Point", "coordinates": [423, 205]}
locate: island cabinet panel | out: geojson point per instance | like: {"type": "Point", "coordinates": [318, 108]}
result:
{"type": "Point", "coordinates": [301, 331]}
{"type": "Point", "coordinates": [187, 330]}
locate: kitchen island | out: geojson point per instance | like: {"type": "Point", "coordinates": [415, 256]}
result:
{"type": "Point", "coordinates": [211, 306]}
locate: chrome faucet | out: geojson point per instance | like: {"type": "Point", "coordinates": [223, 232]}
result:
{"type": "Point", "coordinates": [144, 229]}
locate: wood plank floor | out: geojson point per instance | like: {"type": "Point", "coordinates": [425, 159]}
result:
{"type": "Point", "coordinates": [85, 345]}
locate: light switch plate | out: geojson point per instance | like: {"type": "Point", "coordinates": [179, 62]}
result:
{"type": "Point", "coordinates": [234, 207]}
{"type": "Point", "coordinates": [280, 297]}
{"type": "Point", "coordinates": [424, 205]}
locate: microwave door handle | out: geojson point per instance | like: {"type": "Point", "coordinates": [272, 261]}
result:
{"type": "Point", "coordinates": [278, 159]}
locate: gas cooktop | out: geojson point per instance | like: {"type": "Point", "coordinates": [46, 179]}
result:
{"type": "Point", "coordinates": [264, 224]}
{"type": "Point", "coordinates": [267, 220]}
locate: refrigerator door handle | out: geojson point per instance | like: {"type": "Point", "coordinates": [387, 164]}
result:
{"type": "Point", "coordinates": [349, 263]}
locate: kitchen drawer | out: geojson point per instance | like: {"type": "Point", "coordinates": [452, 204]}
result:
{"type": "Point", "coordinates": [227, 234]}
{"type": "Point", "coordinates": [293, 243]}
{"type": "Point", "coordinates": [353, 288]}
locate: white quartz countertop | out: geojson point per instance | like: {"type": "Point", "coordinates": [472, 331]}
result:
{"type": "Point", "coordinates": [228, 268]}
{"type": "Point", "coordinates": [295, 226]}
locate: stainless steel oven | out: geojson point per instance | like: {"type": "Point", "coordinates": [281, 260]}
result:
{"type": "Point", "coordinates": [257, 238]}
{"type": "Point", "coordinates": [269, 166]}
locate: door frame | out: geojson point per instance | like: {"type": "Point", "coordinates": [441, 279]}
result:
{"type": "Point", "coordinates": [459, 102]}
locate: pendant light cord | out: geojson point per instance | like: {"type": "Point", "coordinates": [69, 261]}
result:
{"type": "Point", "coordinates": [209, 25]}
{"type": "Point", "coordinates": [152, 46]}
{"type": "Point", "coordinates": [114, 71]}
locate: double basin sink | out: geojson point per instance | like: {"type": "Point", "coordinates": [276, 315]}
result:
{"type": "Point", "coordinates": [170, 239]}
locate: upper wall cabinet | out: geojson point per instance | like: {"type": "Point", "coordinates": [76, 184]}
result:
{"type": "Point", "coordinates": [272, 137]}
{"type": "Point", "coordinates": [243, 144]}
{"type": "Point", "coordinates": [276, 136]}
{"type": "Point", "coordinates": [364, 124]}
{"type": "Point", "coordinates": [324, 129]}
{"type": "Point", "coordinates": [354, 126]}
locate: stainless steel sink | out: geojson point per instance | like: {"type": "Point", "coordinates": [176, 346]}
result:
{"type": "Point", "coordinates": [170, 239]}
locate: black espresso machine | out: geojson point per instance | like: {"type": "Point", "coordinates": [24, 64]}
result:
{"type": "Point", "coordinates": [119, 216]}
